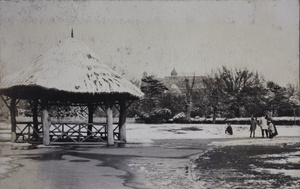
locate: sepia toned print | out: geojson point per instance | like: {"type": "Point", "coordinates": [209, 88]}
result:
{"type": "Point", "coordinates": [149, 94]}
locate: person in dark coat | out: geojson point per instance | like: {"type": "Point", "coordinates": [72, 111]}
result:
{"type": "Point", "coordinates": [228, 129]}
{"type": "Point", "coordinates": [253, 127]}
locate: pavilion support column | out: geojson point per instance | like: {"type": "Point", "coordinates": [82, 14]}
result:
{"type": "Point", "coordinates": [35, 118]}
{"type": "Point", "coordinates": [109, 120]}
{"type": "Point", "coordinates": [46, 123]}
{"type": "Point", "coordinates": [13, 121]}
{"type": "Point", "coordinates": [90, 118]}
{"type": "Point", "coordinates": [122, 121]}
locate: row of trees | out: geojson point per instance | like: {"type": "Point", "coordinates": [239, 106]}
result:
{"type": "Point", "coordinates": [224, 93]}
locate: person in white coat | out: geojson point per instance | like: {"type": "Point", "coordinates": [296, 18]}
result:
{"type": "Point", "coordinates": [264, 126]}
{"type": "Point", "coordinates": [272, 129]}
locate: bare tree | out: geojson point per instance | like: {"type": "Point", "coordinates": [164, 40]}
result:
{"type": "Point", "coordinates": [240, 91]}
{"type": "Point", "coordinates": [189, 94]}
{"type": "Point", "coordinates": [294, 99]}
{"type": "Point", "coordinates": [212, 95]}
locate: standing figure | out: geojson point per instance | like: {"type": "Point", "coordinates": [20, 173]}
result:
{"type": "Point", "coordinates": [272, 129]}
{"type": "Point", "coordinates": [228, 129]}
{"type": "Point", "coordinates": [264, 126]}
{"type": "Point", "coordinates": [253, 127]}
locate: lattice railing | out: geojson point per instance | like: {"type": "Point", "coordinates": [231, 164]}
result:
{"type": "Point", "coordinates": [26, 132]}
{"type": "Point", "coordinates": [65, 132]}
{"type": "Point", "coordinates": [79, 133]}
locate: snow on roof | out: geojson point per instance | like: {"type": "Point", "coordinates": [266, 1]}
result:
{"type": "Point", "coordinates": [175, 89]}
{"type": "Point", "coordinates": [71, 67]}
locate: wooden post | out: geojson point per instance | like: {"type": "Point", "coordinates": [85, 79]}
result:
{"type": "Point", "coordinates": [46, 123]}
{"type": "Point", "coordinates": [35, 119]}
{"type": "Point", "coordinates": [13, 121]}
{"type": "Point", "coordinates": [122, 121]}
{"type": "Point", "coordinates": [109, 120]}
{"type": "Point", "coordinates": [90, 119]}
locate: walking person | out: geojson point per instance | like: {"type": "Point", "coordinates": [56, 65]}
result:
{"type": "Point", "coordinates": [264, 126]}
{"type": "Point", "coordinates": [253, 127]}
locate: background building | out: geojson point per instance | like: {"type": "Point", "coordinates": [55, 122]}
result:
{"type": "Point", "coordinates": [176, 84]}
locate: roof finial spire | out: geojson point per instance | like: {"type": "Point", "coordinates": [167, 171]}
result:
{"type": "Point", "coordinates": [72, 35]}
{"type": "Point", "coordinates": [174, 72]}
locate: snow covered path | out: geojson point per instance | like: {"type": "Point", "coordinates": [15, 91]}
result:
{"type": "Point", "coordinates": [159, 156]}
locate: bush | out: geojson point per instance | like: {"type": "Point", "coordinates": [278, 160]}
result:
{"type": "Point", "coordinates": [156, 116]}
{"type": "Point", "coordinates": [180, 118]}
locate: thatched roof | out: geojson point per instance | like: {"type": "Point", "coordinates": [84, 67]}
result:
{"type": "Point", "coordinates": [69, 71]}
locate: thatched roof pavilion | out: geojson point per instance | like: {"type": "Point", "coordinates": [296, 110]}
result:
{"type": "Point", "coordinates": [70, 72]}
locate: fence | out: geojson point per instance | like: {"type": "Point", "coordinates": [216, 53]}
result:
{"type": "Point", "coordinates": [65, 132]}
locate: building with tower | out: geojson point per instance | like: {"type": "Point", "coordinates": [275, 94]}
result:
{"type": "Point", "coordinates": [176, 84]}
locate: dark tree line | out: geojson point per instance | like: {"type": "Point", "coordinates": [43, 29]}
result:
{"type": "Point", "coordinates": [224, 93]}
{"type": "Point", "coordinates": [235, 93]}
{"type": "Point", "coordinates": [242, 93]}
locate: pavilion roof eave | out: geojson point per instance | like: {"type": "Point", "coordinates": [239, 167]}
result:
{"type": "Point", "coordinates": [38, 92]}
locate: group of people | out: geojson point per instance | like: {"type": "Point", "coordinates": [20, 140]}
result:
{"type": "Point", "coordinates": [267, 127]}
{"type": "Point", "coordinates": [265, 123]}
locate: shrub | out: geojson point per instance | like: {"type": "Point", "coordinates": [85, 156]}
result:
{"type": "Point", "coordinates": [156, 116]}
{"type": "Point", "coordinates": [180, 118]}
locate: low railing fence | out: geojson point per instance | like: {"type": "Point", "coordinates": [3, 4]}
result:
{"type": "Point", "coordinates": [29, 132]}
{"type": "Point", "coordinates": [64, 132]}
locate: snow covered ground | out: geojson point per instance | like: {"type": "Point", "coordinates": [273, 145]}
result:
{"type": "Point", "coordinates": [287, 135]}
{"type": "Point", "coordinates": [146, 133]}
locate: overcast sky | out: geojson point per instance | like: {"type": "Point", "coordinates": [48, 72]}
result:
{"type": "Point", "coordinates": [157, 36]}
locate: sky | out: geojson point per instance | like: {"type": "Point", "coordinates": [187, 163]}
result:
{"type": "Point", "coordinates": [194, 37]}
